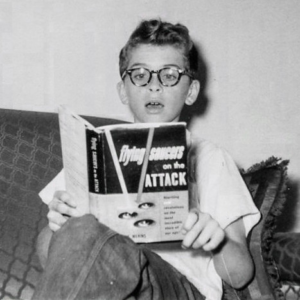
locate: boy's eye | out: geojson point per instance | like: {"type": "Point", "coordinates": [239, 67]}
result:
{"type": "Point", "coordinates": [139, 76]}
{"type": "Point", "coordinates": [169, 77]}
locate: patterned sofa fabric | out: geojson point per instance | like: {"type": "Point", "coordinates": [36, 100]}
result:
{"type": "Point", "coordinates": [30, 157]}
{"type": "Point", "coordinates": [286, 253]}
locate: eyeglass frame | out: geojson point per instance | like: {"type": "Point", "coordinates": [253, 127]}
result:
{"type": "Point", "coordinates": [180, 71]}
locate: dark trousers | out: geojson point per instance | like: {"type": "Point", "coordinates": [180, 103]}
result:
{"type": "Point", "coordinates": [87, 260]}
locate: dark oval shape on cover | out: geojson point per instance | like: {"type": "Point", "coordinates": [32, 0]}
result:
{"type": "Point", "coordinates": [146, 205]}
{"type": "Point", "coordinates": [144, 223]}
{"type": "Point", "coordinates": [127, 215]}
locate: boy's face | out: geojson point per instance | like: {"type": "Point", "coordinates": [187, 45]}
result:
{"type": "Point", "coordinates": [155, 102]}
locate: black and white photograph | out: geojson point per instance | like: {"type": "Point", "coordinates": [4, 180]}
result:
{"type": "Point", "coordinates": [149, 150]}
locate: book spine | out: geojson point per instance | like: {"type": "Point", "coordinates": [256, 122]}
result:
{"type": "Point", "coordinates": [96, 178]}
{"type": "Point", "coordinates": [102, 163]}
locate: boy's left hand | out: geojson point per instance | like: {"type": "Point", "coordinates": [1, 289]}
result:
{"type": "Point", "coordinates": [201, 231]}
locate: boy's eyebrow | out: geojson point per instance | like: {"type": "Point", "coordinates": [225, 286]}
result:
{"type": "Point", "coordinates": [138, 65]}
{"type": "Point", "coordinates": [173, 65]}
{"type": "Point", "coordinates": [143, 65]}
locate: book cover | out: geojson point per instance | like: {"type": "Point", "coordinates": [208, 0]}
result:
{"type": "Point", "coordinates": [136, 176]}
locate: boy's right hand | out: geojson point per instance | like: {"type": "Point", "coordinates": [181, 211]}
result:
{"type": "Point", "coordinates": [60, 209]}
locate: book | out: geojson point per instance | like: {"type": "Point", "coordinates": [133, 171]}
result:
{"type": "Point", "coordinates": [131, 177]}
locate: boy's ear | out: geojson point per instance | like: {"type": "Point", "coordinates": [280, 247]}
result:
{"type": "Point", "coordinates": [193, 92]}
{"type": "Point", "coordinates": [122, 92]}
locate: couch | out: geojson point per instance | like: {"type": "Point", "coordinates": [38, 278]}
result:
{"type": "Point", "coordinates": [30, 157]}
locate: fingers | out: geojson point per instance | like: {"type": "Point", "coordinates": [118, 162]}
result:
{"type": "Point", "coordinates": [56, 220]}
{"type": "Point", "coordinates": [202, 231]}
{"type": "Point", "coordinates": [63, 204]}
{"type": "Point", "coordinates": [191, 220]}
{"type": "Point", "coordinates": [60, 209]}
{"type": "Point", "coordinates": [65, 197]}
{"type": "Point", "coordinates": [210, 237]}
{"type": "Point", "coordinates": [215, 241]}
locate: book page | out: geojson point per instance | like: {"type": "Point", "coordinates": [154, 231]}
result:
{"type": "Point", "coordinates": [73, 140]}
{"type": "Point", "coordinates": [137, 125]}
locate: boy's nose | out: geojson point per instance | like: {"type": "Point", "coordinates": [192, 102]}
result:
{"type": "Point", "coordinates": [154, 84]}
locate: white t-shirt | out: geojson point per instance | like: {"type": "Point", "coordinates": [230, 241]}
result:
{"type": "Point", "coordinates": [219, 191]}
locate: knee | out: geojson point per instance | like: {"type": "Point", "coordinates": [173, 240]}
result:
{"type": "Point", "coordinates": [85, 223]}
{"type": "Point", "coordinates": [78, 231]}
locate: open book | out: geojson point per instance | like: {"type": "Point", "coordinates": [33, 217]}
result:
{"type": "Point", "coordinates": [132, 177]}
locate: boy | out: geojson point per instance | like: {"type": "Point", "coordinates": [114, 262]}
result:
{"type": "Point", "coordinates": [87, 260]}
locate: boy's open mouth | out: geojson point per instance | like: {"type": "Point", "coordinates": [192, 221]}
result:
{"type": "Point", "coordinates": [154, 104]}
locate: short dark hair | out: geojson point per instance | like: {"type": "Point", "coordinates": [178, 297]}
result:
{"type": "Point", "coordinates": [159, 33]}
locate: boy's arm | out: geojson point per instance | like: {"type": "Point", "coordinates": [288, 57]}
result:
{"type": "Point", "coordinates": [43, 243]}
{"type": "Point", "coordinates": [232, 259]}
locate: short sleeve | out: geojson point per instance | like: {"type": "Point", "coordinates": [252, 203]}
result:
{"type": "Point", "coordinates": [58, 183]}
{"type": "Point", "coordinates": [221, 190]}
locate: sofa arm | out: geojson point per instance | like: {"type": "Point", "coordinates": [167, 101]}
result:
{"type": "Point", "coordinates": [267, 183]}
